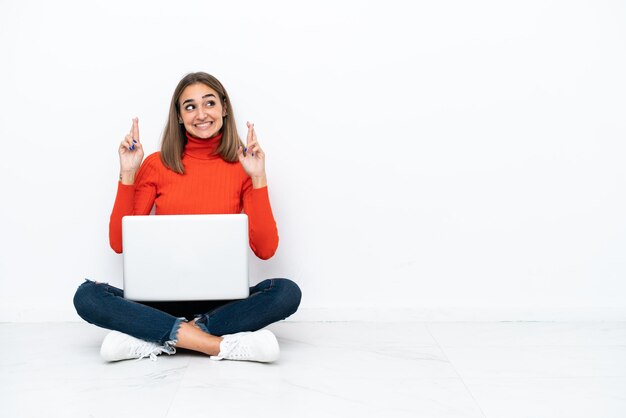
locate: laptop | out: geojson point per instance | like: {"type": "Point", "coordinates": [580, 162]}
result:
{"type": "Point", "coordinates": [185, 257]}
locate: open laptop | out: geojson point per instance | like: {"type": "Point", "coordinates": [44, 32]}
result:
{"type": "Point", "coordinates": [185, 257]}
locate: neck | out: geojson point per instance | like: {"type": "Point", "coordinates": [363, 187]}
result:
{"type": "Point", "coordinates": [201, 148]}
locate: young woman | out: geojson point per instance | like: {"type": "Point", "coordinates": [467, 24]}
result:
{"type": "Point", "coordinates": [203, 168]}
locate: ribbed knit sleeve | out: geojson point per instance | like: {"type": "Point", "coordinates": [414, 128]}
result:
{"type": "Point", "coordinates": [135, 199]}
{"type": "Point", "coordinates": [263, 233]}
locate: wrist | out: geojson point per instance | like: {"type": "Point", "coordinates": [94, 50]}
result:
{"type": "Point", "coordinates": [259, 181]}
{"type": "Point", "coordinates": [127, 177]}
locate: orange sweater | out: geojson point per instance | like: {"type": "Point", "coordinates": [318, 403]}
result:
{"type": "Point", "coordinates": [209, 185]}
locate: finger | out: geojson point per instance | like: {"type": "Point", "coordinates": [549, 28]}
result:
{"type": "Point", "coordinates": [240, 154]}
{"type": "Point", "coordinates": [254, 148]}
{"type": "Point", "coordinates": [253, 140]}
{"type": "Point", "coordinates": [255, 143]}
{"type": "Point", "coordinates": [128, 139]}
{"type": "Point", "coordinates": [251, 144]}
{"type": "Point", "coordinates": [250, 133]}
{"type": "Point", "coordinates": [253, 133]}
{"type": "Point", "coordinates": [128, 142]}
{"type": "Point", "coordinates": [136, 129]}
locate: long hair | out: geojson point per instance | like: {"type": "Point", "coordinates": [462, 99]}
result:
{"type": "Point", "coordinates": [174, 138]}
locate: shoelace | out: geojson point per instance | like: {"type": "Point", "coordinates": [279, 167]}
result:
{"type": "Point", "coordinates": [146, 349]}
{"type": "Point", "coordinates": [237, 351]}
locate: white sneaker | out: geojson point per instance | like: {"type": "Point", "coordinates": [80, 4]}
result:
{"type": "Point", "coordinates": [251, 346]}
{"type": "Point", "coordinates": [117, 346]}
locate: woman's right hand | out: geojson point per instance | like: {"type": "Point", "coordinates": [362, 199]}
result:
{"type": "Point", "coordinates": [131, 154]}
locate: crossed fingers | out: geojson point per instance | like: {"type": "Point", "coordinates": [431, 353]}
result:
{"type": "Point", "coordinates": [252, 145]}
{"type": "Point", "coordinates": [132, 138]}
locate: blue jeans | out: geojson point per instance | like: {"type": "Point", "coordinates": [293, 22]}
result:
{"type": "Point", "coordinates": [104, 305]}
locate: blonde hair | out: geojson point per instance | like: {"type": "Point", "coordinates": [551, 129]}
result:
{"type": "Point", "coordinates": [174, 138]}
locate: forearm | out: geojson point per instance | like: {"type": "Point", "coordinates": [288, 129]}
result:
{"type": "Point", "coordinates": [259, 181]}
{"type": "Point", "coordinates": [123, 206]}
{"type": "Point", "coordinates": [128, 177]}
{"type": "Point", "coordinates": [262, 226]}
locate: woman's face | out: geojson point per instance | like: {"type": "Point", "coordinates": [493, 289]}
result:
{"type": "Point", "coordinates": [201, 110]}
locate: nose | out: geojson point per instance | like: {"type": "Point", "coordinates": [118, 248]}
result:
{"type": "Point", "coordinates": [202, 113]}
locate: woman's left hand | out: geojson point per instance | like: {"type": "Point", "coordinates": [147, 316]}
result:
{"type": "Point", "coordinates": [252, 158]}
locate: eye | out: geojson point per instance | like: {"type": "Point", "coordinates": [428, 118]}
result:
{"type": "Point", "coordinates": [210, 103]}
{"type": "Point", "coordinates": [189, 107]}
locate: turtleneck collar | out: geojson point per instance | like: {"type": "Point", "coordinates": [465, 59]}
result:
{"type": "Point", "coordinates": [203, 149]}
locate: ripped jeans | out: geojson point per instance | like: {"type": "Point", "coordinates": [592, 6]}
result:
{"type": "Point", "coordinates": [104, 305]}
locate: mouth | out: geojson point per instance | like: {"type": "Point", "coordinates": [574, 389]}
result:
{"type": "Point", "coordinates": [203, 125]}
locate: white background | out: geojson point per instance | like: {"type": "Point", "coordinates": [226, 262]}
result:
{"type": "Point", "coordinates": [431, 159]}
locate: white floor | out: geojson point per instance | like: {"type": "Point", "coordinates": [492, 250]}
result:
{"type": "Point", "coordinates": [349, 369]}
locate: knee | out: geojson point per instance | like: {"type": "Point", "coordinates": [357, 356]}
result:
{"type": "Point", "coordinates": [85, 300]}
{"type": "Point", "coordinates": [289, 296]}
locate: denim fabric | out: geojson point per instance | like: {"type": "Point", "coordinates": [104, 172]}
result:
{"type": "Point", "coordinates": [104, 305]}
{"type": "Point", "coordinates": [269, 302]}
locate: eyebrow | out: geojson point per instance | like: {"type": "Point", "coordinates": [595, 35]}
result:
{"type": "Point", "coordinates": [204, 97]}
